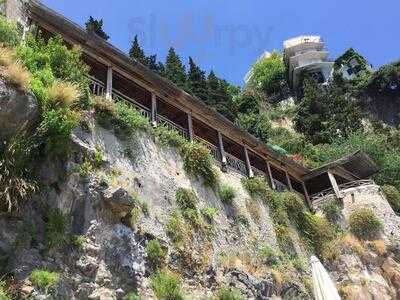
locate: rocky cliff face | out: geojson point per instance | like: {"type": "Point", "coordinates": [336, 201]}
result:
{"type": "Point", "coordinates": [106, 213]}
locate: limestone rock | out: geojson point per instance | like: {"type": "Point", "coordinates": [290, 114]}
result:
{"type": "Point", "coordinates": [17, 110]}
{"type": "Point", "coordinates": [119, 201]}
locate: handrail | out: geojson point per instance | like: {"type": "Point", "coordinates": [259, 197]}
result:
{"type": "Point", "coordinates": [347, 185]}
{"type": "Point", "coordinates": [236, 164]}
{"type": "Point", "coordinates": [171, 125]}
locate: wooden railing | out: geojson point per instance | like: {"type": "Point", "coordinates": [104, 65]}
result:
{"type": "Point", "coordinates": [258, 173]}
{"type": "Point", "coordinates": [330, 192]}
{"type": "Point", "coordinates": [236, 164]}
{"type": "Point", "coordinates": [96, 86]}
{"type": "Point", "coordinates": [163, 121]}
{"type": "Point", "coordinates": [120, 97]}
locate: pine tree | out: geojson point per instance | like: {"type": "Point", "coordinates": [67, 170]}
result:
{"type": "Point", "coordinates": [96, 26]}
{"type": "Point", "coordinates": [213, 88]}
{"type": "Point", "coordinates": [136, 52]}
{"type": "Point", "coordinates": [197, 83]}
{"type": "Point", "coordinates": [175, 70]}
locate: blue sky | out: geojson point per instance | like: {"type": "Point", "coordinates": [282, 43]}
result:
{"type": "Point", "coordinates": [228, 36]}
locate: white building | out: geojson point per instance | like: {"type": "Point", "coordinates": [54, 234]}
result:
{"type": "Point", "coordinates": [307, 54]}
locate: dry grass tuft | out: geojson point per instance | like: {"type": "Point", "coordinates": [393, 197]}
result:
{"type": "Point", "coordinates": [378, 246]}
{"type": "Point", "coordinates": [63, 94]}
{"type": "Point", "coordinates": [277, 276]}
{"type": "Point", "coordinates": [254, 210]}
{"type": "Point", "coordinates": [16, 74]}
{"type": "Point", "coordinates": [354, 244]}
{"type": "Point", "coordinates": [345, 243]}
{"type": "Point", "coordinates": [6, 57]}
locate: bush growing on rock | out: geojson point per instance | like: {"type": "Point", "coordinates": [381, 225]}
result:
{"type": "Point", "coordinates": [331, 210]}
{"type": "Point", "coordinates": [175, 228]}
{"type": "Point", "coordinates": [44, 279]}
{"type": "Point", "coordinates": [209, 213]}
{"type": "Point", "coordinates": [131, 296]}
{"type": "Point", "coordinates": [364, 223]}
{"type": "Point", "coordinates": [198, 162]}
{"type": "Point", "coordinates": [393, 196]}
{"type": "Point", "coordinates": [186, 199]}
{"type": "Point", "coordinates": [3, 292]}
{"type": "Point", "coordinates": [56, 229]}
{"type": "Point", "coordinates": [166, 286]}
{"type": "Point", "coordinates": [17, 75]}
{"type": "Point", "coordinates": [226, 193]}
{"type": "Point", "coordinates": [229, 294]}
{"type": "Point", "coordinates": [9, 34]}
{"type": "Point", "coordinates": [155, 253]}
{"type": "Point", "coordinates": [257, 187]}
{"type": "Point", "coordinates": [168, 137]}
{"type": "Point", "coordinates": [62, 94]}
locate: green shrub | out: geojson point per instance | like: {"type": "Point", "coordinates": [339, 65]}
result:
{"type": "Point", "coordinates": [106, 111]}
{"type": "Point", "coordinates": [267, 255]}
{"type": "Point", "coordinates": [16, 182]}
{"type": "Point", "coordinates": [198, 162]}
{"type": "Point", "coordinates": [393, 196]}
{"type": "Point", "coordinates": [331, 210]}
{"type": "Point", "coordinates": [85, 168]}
{"type": "Point", "coordinates": [209, 213]}
{"type": "Point", "coordinates": [136, 214]}
{"type": "Point", "coordinates": [78, 241]}
{"type": "Point", "coordinates": [56, 229]}
{"type": "Point", "coordinates": [229, 294]}
{"type": "Point", "coordinates": [9, 34]}
{"type": "Point", "coordinates": [175, 228]}
{"type": "Point", "coordinates": [55, 129]}
{"type": "Point", "coordinates": [257, 187]}
{"type": "Point", "coordinates": [186, 199]}
{"type": "Point", "coordinates": [3, 292]}
{"type": "Point", "coordinates": [166, 286]}
{"type": "Point", "coordinates": [129, 119]}
{"type": "Point", "coordinates": [226, 193]}
{"type": "Point", "coordinates": [98, 157]}
{"type": "Point", "coordinates": [364, 224]}
{"type": "Point", "coordinates": [44, 279]}
{"type": "Point", "coordinates": [132, 296]}
{"type": "Point", "coordinates": [155, 253]}
{"type": "Point", "coordinates": [168, 137]}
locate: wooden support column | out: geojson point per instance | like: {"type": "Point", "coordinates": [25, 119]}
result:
{"type": "Point", "coordinates": [222, 152]}
{"type": "Point", "coordinates": [190, 127]}
{"type": "Point", "coordinates": [334, 185]}
{"type": "Point", "coordinates": [271, 179]}
{"type": "Point", "coordinates": [289, 183]}
{"type": "Point", "coordinates": [248, 165]}
{"type": "Point", "coordinates": [308, 200]}
{"type": "Point", "coordinates": [109, 85]}
{"type": "Point", "coordinates": [153, 109]}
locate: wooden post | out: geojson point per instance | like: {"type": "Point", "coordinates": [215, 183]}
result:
{"type": "Point", "coordinates": [190, 127]}
{"type": "Point", "coordinates": [154, 110]}
{"type": "Point", "coordinates": [109, 85]}
{"type": "Point", "coordinates": [308, 200]}
{"type": "Point", "coordinates": [271, 179]}
{"type": "Point", "coordinates": [248, 165]}
{"type": "Point", "coordinates": [222, 152]}
{"type": "Point", "coordinates": [334, 184]}
{"type": "Point", "coordinates": [289, 183]}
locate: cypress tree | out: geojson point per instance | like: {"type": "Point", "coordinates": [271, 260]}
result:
{"type": "Point", "coordinates": [197, 83]}
{"type": "Point", "coordinates": [213, 88]}
{"type": "Point", "coordinates": [136, 52]}
{"type": "Point", "coordinates": [174, 70]}
{"type": "Point", "coordinates": [96, 26]}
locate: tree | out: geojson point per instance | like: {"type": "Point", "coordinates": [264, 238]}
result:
{"type": "Point", "coordinates": [268, 74]}
{"type": "Point", "coordinates": [96, 26]}
{"type": "Point", "coordinates": [213, 83]}
{"type": "Point", "coordinates": [136, 52]}
{"type": "Point", "coordinates": [197, 83]}
{"type": "Point", "coordinates": [326, 113]}
{"type": "Point", "coordinates": [174, 70]}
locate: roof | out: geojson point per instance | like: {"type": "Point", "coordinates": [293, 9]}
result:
{"type": "Point", "coordinates": [161, 86]}
{"type": "Point", "coordinates": [359, 164]}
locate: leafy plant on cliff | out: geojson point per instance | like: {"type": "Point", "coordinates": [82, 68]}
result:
{"type": "Point", "coordinates": [44, 279]}
{"type": "Point", "coordinates": [9, 34]}
{"type": "Point", "coordinates": [155, 253]}
{"type": "Point", "coordinates": [226, 193]}
{"type": "Point", "coordinates": [16, 182]}
{"type": "Point", "coordinates": [186, 199]}
{"type": "Point", "coordinates": [365, 224]}
{"type": "Point", "coordinates": [166, 286]}
{"type": "Point", "coordinates": [56, 229]}
{"type": "Point", "coordinates": [198, 162]}
{"type": "Point", "coordinates": [393, 196]}
{"type": "Point", "coordinates": [229, 293]}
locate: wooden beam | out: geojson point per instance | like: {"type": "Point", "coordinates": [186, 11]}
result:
{"type": "Point", "coordinates": [190, 126]}
{"type": "Point", "coordinates": [109, 85]}
{"type": "Point", "coordinates": [271, 179]}
{"type": "Point", "coordinates": [306, 195]}
{"type": "Point", "coordinates": [288, 181]}
{"type": "Point", "coordinates": [334, 185]}
{"type": "Point", "coordinates": [222, 152]}
{"type": "Point", "coordinates": [248, 164]}
{"type": "Point", "coordinates": [154, 109]}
